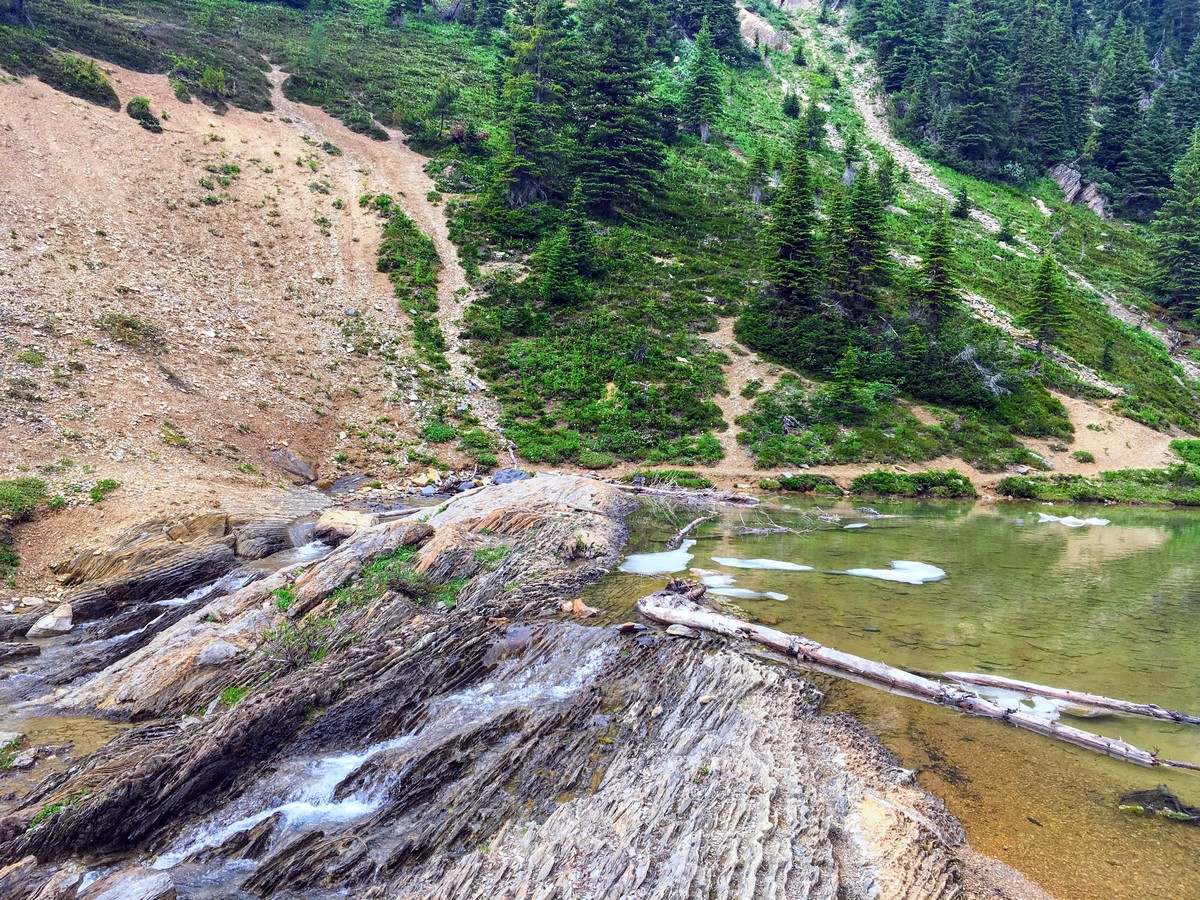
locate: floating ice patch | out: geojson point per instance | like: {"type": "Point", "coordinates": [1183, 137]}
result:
{"type": "Point", "coordinates": [746, 594]}
{"type": "Point", "coordinates": [854, 525]}
{"type": "Point", "coordinates": [665, 563]}
{"type": "Point", "coordinates": [904, 571]}
{"type": "Point", "coordinates": [735, 563]}
{"type": "Point", "coordinates": [1070, 521]}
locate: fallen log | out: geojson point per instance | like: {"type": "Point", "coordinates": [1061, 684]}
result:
{"type": "Point", "coordinates": [676, 605]}
{"type": "Point", "coordinates": [778, 529]}
{"type": "Point", "coordinates": [687, 495]}
{"type": "Point", "coordinates": [1149, 710]}
{"type": "Point", "coordinates": [677, 538]}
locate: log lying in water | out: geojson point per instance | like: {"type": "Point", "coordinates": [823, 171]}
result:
{"type": "Point", "coordinates": [677, 538]}
{"type": "Point", "coordinates": [1149, 710]}
{"type": "Point", "coordinates": [676, 605]}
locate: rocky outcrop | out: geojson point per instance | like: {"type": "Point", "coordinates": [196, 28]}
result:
{"type": "Point", "coordinates": [1075, 190]}
{"type": "Point", "coordinates": [481, 743]}
{"type": "Point", "coordinates": [52, 624]}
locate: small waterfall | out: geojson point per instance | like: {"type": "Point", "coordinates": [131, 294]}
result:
{"type": "Point", "coordinates": [301, 532]}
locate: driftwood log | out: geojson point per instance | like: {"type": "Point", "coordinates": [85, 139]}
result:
{"type": "Point", "coordinates": [685, 495]}
{"type": "Point", "coordinates": [677, 537]}
{"type": "Point", "coordinates": [1148, 710]}
{"type": "Point", "coordinates": [676, 605]}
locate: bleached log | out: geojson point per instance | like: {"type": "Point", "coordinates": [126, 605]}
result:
{"type": "Point", "coordinates": [676, 605]}
{"type": "Point", "coordinates": [677, 537]}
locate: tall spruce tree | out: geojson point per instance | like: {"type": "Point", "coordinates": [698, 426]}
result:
{"type": "Point", "coordinates": [1119, 93]}
{"type": "Point", "coordinates": [621, 150]}
{"type": "Point", "coordinates": [1046, 315]}
{"type": "Point", "coordinates": [1145, 175]}
{"type": "Point", "coordinates": [1041, 123]}
{"type": "Point", "coordinates": [866, 247]}
{"type": "Point", "coordinates": [938, 290]}
{"type": "Point", "coordinates": [1177, 235]}
{"type": "Point", "coordinates": [839, 280]}
{"type": "Point", "coordinates": [703, 96]}
{"type": "Point", "coordinates": [794, 263]}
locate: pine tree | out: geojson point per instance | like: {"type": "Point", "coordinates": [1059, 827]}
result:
{"type": "Point", "coordinates": [839, 281]}
{"type": "Point", "coordinates": [560, 282]}
{"type": "Point", "coordinates": [794, 265]}
{"type": "Point", "coordinates": [973, 79]}
{"type": "Point", "coordinates": [962, 204]}
{"type": "Point", "coordinates": [1146, 173]}
{"type": "Point", "coordinates": [791, 105]}
{"type": "Point", "coordinates": [1177, 235]}
{"type": "Point", "coordinates": [579, 231]}
{"type": "Point", "coordinates": [867, 250]}
{"type": "Point", "coordinates": [814, 125]}
{"type": "Point", "coordinates": [886, 173]}
{"type": "Point", "coordinates": [703, 96]}
{"type": "Point", "coordinates": [937, 287]}
{"type": "Point", "coordinates": [1119, 94]}
{"type": "Point", "coordinates": [798, 57]}
{"type": "Point", "coordinates": [621, 149]}
{"type": "Point", "coordinates": [689, 17]}
{"type": "Point", "coordinates": [1046, 316]}
{"type": "Point", "coordinates": [1041, 125]}
{"type": "Point", "coordinates": [759, 165]}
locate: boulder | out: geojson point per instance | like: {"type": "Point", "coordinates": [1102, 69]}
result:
{"type": "Point", "coordinates": [508, 476]}
{"type": "Point", "coordinates": [216, 653]}
{"type": "Point", "coordinates": [132, 884]}
{"type": "Point", "coordinates": [683, 631]}
{"type": "Point", "coordinates": [335, 525]}
{"type": "Point", "coordinates": [295, 466]}
{"type": "Point", "coordinates": [52, 624]}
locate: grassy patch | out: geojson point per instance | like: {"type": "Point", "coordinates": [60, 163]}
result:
{"type": "Point", "coordinates": [933, 484]}
{"type": "Point", "coordinates": [670, 478]}
{"type": "Point", "coordinates": [103, 488]}
{"type": "Point", "coordinates": [231, 695]}
{"type": "Point", "coordinates": [129, 330]}
{"type": "Point", "coordinates": [1177, 485]}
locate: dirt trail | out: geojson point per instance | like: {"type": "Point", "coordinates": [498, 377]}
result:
{"type": "Point", "coordinates": [738, 373]}
{"type": "Point", "coordinates": [393, 167]}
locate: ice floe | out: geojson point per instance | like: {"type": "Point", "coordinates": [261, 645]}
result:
{"type": "Point", "coordinates": [903, 570]}
{"type": "Point", "coordinates": [734, 563]}
{"type": "Point", "coordinates": [667, 562]}
{"type": "Point", "coordinates": [1070, 521]}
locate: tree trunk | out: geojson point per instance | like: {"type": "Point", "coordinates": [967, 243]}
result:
{"type": "Point", "coordinates": [676, 605]}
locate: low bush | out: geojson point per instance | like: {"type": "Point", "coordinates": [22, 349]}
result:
{"type": "Point", "coordinates": [807, 484]}
{"type": "Point", "coordinates": [139, 110]}
{"type": "Point", "coordinates": [932, 484]}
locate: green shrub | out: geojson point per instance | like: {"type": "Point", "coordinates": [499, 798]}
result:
{"type": "Point", "coordinates": [81, 78]}
{"type": "Point", "coordinates": [670, 478]}
{"type": "Point", "coordinates": [1187, 450]}
{"type": "Point", "coordinates": [1083, 456]}
{"type": "Point", "coordinates": [231, 695]}
{"type": "Point", "coordinates": [20, 496]}
{"type": "Point", "coordinates": [932, 484]}
{"type": "Point", "coordinates": [284, 597]}
{"type": "Point", "coordinates": [139, 110]}
{"type": "Point", "coordinates": [103, 488]}
{"type": "Point", "coordinates": [439, 432]}
{"type": "Point", "coordinates": [807, 483]}
{"type": "Point", "coordinates": [594, 459]}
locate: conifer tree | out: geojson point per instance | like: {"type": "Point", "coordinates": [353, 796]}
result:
{"type": "Point", "coordinates": [1177, 235]}
{"type": "Point", "coordinates": [798, 57]}
{"type": "Point", "coordinates": [814, 125]}
{"type": "Point", "coordinates": [579, 232]}
{"type": "Point", "coordinates": [867, 251]}
{"type": "Point", "coordinates": [962, 204]}
{"type": "Point", "coordinates": [759, 166]}
{"type": "Point", "coordinates": [1047, 315]}
{"type": "Point", "coordinates": [1119, 94]}
{"type": "Point", "coordinates": [1041, 125]}
{"type": "Point", "coordinates": [621, 147]}
{"type": "Point", "coordinates": [791, 105]}
{"type": "Point", "coordinates": [839, 282]}
{"type": "Point", "coordinates": [721, 15]}
{"type": "Point", "coordinates": [937, 286]}
{"type": "Point", "coordinates": [560, 281]}
{"type": "Point", "coordinates": [703, 96]}
{"type": "Point", "coordinates": [1152, 151]}
{"type": "Point", "coordinates": [886, 174]}
{"type": "Point", "coordinates": [794, 264]}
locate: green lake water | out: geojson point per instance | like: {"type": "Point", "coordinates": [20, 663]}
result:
{"type": "Point", "coordinates": [1112, 609]}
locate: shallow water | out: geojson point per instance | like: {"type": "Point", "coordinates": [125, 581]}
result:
{"type": "Point", "coordinates": [1113, 609]}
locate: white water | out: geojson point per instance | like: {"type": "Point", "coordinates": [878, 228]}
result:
{"type": "Point", "coordinates": [520, 684]}
{"type": "Point", "coordinates": [735, 563]}
{"type": "Point", "coordinates": [904, 571]}
{"type": "Point", "coordinates": [668, 562]}
{"type": "Point", "coordinates": [223, 585]}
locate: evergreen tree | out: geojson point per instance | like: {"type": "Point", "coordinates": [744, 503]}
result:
{"type": "Point", "coordinates": [1043, 103]}
{"type": "Point", "coordinates": [560, 282]}
{"type": "Point", "coordinates": [794, 264]}
{"type": "Point", "coordinates": [1177, 235]}
{"type": "Point", "coordinates": [689, 17]}
{"type": "Point", "coordinates": [1146, 173]}
{"type": "Point", "coordinates": [798, 57]}
{"type": "Point", "coordinates": [1046, 315]}
{"type": "Point", "coordinates": [866, 247]}
{"type": "Point", "coordinates": [937, 287]}
{"type": "Point", "coordinates": [886, 174]}
{"type": "Point", "coordinates": [791, 105]}
{"type": "Point", "coordinates": [579, 232]}
{"type": "Point", "coordinates": [1120, 95]}
{"type": "Point", "coordinates": [973, 78]}
{"type": "Point", "coordinates": [621, 149]}
{"type": "Point", "coordinates": [814, 125]}
{"type": "Point", "coordinates": [962, 204]}
{"type": "Point", "coordinates": [703, 96]}
{"type": "Point", "coordinates": [839, 281]}
{"type": "Point", "coordinates": [759, 166]}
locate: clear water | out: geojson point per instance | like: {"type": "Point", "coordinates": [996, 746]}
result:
{"type": "Point", "coordinates": [1113, 609]}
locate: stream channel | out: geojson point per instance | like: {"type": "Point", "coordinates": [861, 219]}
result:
{"type": "Point", "coordinates": [1112, 609]}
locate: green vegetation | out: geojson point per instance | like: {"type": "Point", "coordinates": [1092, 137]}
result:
{"type": "Point", "coordinates": [491, 557]}
{"type": "Point", "coordinates": [933, 484]}
{"type": "Point", "coordinates": [129, 330]}
{"type": "Point", "coordinates": [19, 497]}
{"type": "Point", "coordinates": [139, 110]}
{"type": "Point", "coordinates": [670, 478]}
{"type": "Point", "coordinates": [50, 810]}
{"type": "Point", "coordinates": [295, 646]}
{"type": "Point", "coordinates": [1177, 485]}
{"type": "Point", "coordinates": [284, 597]}
{"type": "Point", "coordinates": [411, 262]}
{"type": "Point", "coordinates": [231, 695]}
{"type": "Point", "coordinates": [9, 752]}
{"type": "Point", "coordinates": [32, 357]}
{"type": "Point", "coordinates": [1083, 456]}
{"type": "Point", "coordinates": [103, 488]}
{"type": "Point", "coordinates": [1187, 450]}
{"type": "Point", "coordinates": [172, 436]}
{"type": "Point", "coordinates": [806, 484]}
{"type": "Point", "coordinates": [439, 432]}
